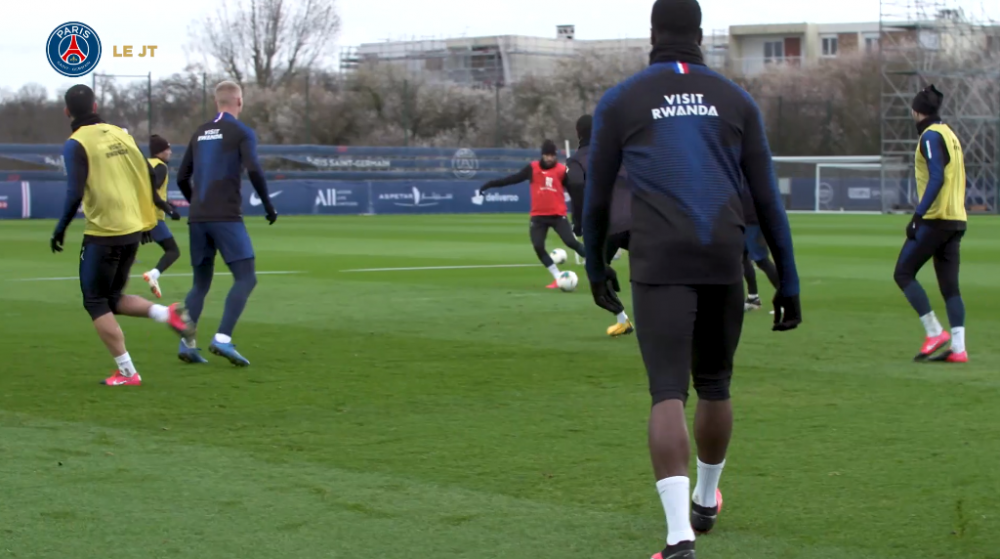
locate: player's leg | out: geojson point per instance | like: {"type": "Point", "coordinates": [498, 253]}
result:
{"type": "Point", "coordinates": [769, 269]}
{"type": "Point", "coordinates": [174, 316]}
{"type": "Point", "coordinates": [946, 266]}
{"type": "Point", "coordinates": [163, 237]}
{"type": "Point", "coordinates": [616, 241]}
{"type": "Point", "coordinates": [716, 337]}
{"type": "Point", "coordinates": [565, 232]}
{"type": "Point", "coordinates": [750, 276]}
{"type": "Point", "coordinates": [98, 271]}
{"type": "Point", "coordinates": [538, 229]}
{"type": "Point", "coordinates": [203, 252]}
{"type": "Point", "coordinates": [914, 254]}
{"type": "Point", "coordinates": [237, 251]}
{"type": "Point", "coordinates": [666, 315]}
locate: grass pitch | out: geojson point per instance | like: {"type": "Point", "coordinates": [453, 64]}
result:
{"type": "Point", "coordinates": [470, 413]}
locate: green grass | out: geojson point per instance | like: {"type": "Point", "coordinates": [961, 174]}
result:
{"type": "Point", "coordinates": [473, 414]}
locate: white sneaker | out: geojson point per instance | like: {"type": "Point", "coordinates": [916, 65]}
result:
{"type": "Point", "coordinates": [154, 284]}
{"type": "Point", "coordinates": [579, 259]}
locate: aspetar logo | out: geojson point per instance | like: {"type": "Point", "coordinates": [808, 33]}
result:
{"type": "Point", "coordinates": [415, 198]}
{"type": "Point", "coordinates": [73, 49]}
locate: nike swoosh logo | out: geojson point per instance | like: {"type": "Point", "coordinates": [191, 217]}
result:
{"type": "Point", "coordinates": [256, 201]}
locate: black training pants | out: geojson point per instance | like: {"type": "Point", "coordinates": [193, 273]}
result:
{"type": "Point", "coordinates": [539, 229]}
{"type": "Point", "coordinates": [943, 246]}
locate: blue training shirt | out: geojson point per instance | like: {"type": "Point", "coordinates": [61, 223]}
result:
{"type": "Point", "coordinates": [690, 139]}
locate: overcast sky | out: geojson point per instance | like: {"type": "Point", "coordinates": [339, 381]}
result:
{"type": "Point", "coordinates": [26, 25]}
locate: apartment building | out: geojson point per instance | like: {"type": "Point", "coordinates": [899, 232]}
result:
{"type": "Point", "coordinates": [756, 48]}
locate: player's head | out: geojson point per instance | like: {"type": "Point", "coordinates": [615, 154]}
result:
{"type": "Point", "coordinates": [583, 127]}
{"type": "Point", "coordinates": [229, 97]}
{"type": "Point", "coordinates": [927, 103]}
{"type": "Point", "coordinates": [548, 153]}
{"type": "Point", "coordinates": [676, 21]}
{"type": "Point", "coordinates": [80, 101]}
{"type": "Point", "coordinates": [159, 148]}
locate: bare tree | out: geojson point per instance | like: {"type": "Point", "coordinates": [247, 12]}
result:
{"type": "Point", "coordinates": [267, 42]}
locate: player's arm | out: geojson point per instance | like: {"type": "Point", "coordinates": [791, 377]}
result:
{"type": "Point", "coordinates": [605, 162]}
{"type": "Point", "coordinates": [186, 171]}
{"type": "Point", "coordinates": [935, 153]}
{"type": "Point", "coordinates": [758, 169]}
{"type": "Point", "coordinates": [77, 169]}
{"type": "Point", "coordinates": [575, 182]}
{"type": "Point", "coordinates": [248, 156]}
{"type": "Point", "coordinates": [518, 177]}
{"type": "Point", "coordinates": [157, 176]}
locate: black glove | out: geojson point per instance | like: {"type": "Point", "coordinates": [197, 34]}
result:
{"type": "Point", "coordinates": [147, 237]}
{"type": "Point", "coordinates": [56, 243]}
{"type": "Point", "coordinates": [272, 215]}
{"type": "Point", "coordinates": [173, 213]}
{"type": "Point", "coordinates": [787, 312]}
{"type": "Point", "coordinates": [605, 292]}
{"type": "Point", "coordinates": [484, 188]}
{"type": "Point", "coordinates": [912, 226]}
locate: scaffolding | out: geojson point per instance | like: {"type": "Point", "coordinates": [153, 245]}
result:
{"type": "Point", "coordinates": [955, 45]}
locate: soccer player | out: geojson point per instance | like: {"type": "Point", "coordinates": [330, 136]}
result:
{"type": "Point", "coordinates": [107, 173]}
{"type": "Point", "coordinates": [215, 158]}
{"type": "Point", "coordinates": [936, 229]}
{"type": "Point", "coordinates": [576, 178]}
{"type": "Point", "coordinates": [160, 152]}
{"type": "Point", "coordinates": [689, 139]}
{"type": "Point", "coordinates": [548, 204]}
{"type": "Point", "coordinates": [755, 252]}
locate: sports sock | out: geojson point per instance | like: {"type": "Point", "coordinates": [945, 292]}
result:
{"type": "Point", "coordinates": [675, 496]}
{"type": "Point", "coordinates": [753, 296]}
{"type": "Point", "coordinates": [708, 483]}
{"type": "Point", "coordinates": [554, 270]}
{"type": "Point", "coordinates": [223, 339]}
{"type": "Point", "coordinates": [958, 339]}
{"type": "Point", "coordinates": [125, 366]}
{"type": "Point", "coordinates": [622, 317]}
{"type": "Point", "coordinates": [159, 313]}
{"type": "Point", "coordinates": [190, 344]}
{"type": "Point", "coordinates": [931, 325]}
{"type": "Point", "coordinates": [154, 273]}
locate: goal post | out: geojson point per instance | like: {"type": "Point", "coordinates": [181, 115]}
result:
{"type": "Point", "coordinates": [830, 183]}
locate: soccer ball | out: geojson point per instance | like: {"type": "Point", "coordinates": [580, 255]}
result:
{"type": "Point", "coordinates": [558, 255]}
{"type": "Point", "coordinates": [566, 281]}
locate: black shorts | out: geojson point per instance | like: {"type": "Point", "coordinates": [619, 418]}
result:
{"type": "Point", "coordinates": [104, 272]}
{"type": "Point", "coordinates": [688, 331]}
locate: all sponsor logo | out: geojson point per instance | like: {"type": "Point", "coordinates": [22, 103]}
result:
{"type": "Point", "coordinates": [335, 197]}
{"type": "Point", "coordinates": [256, 201]}
{"type": "Point", "coordinates": [415, 198]}
{"type": "Point", "coordinates": [493, 197]}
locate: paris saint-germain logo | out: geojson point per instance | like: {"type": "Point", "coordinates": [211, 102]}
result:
{"type": "Point", "coordinates": [73, 49]}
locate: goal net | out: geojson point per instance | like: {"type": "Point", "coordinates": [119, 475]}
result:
{"type": "Point", "coordinates": [858, 184]}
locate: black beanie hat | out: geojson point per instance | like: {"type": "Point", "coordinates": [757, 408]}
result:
{"type": "Point", "coordinates": [79, 100]}
{"type": "Point", "coordinates": [584, 124]}
{"type": "Point", "coordinates": [928, 101]}
{"type": "Point", "coordinates": [157, 144]}
{"type": "Point", "coordinates": [548, 147]}
{"type": "Point", "coordinates": [676, 17]}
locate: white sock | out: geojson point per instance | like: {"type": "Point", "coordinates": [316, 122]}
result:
{"type": "Point", "coordinates": [554, 270]}
{"type": "Point", "coordinates": [154, 273]}
{"type": "Point", "coordinates": [676, 499]}
{"type": "Point", "coordinates": [753, 296]}
{"type": "Point", "coordinates": [932, 325]}
{"type": "Point", "coordinates": [159, 313]}
{"type": "Point", "coordinates": [223, 339]}
{"type": "Point", "coordinates": [622, 317]}
{"type": "Point", "coordinates": [708, 483]}
{"type": "Point", "coordinates": [190, 344]}
{"type": "Point", "coordinates": [958, 339]}
{"type": "Point", "coordinates": [125, 365]}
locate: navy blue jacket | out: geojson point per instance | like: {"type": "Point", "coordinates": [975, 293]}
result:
{"type": "Point", "coordinates": [211, 172]}
{"type": "Point", "coordinates": [689, 138]}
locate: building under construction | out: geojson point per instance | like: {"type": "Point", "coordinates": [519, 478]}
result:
{"type": "Point", "coordinates": [500, 60]}
{"type": "Point", "coordinates": [955, 46]}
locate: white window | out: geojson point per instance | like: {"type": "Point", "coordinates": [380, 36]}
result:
{"type": "Point", "coordinates": [774, 51]}
{"type": "Point", "coordinates": [871, 43]}
{"type": "Point", "coordinates": [830, 46]}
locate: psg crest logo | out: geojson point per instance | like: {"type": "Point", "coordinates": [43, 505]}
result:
{"type": "Point", "coordinates": [73, 49]}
